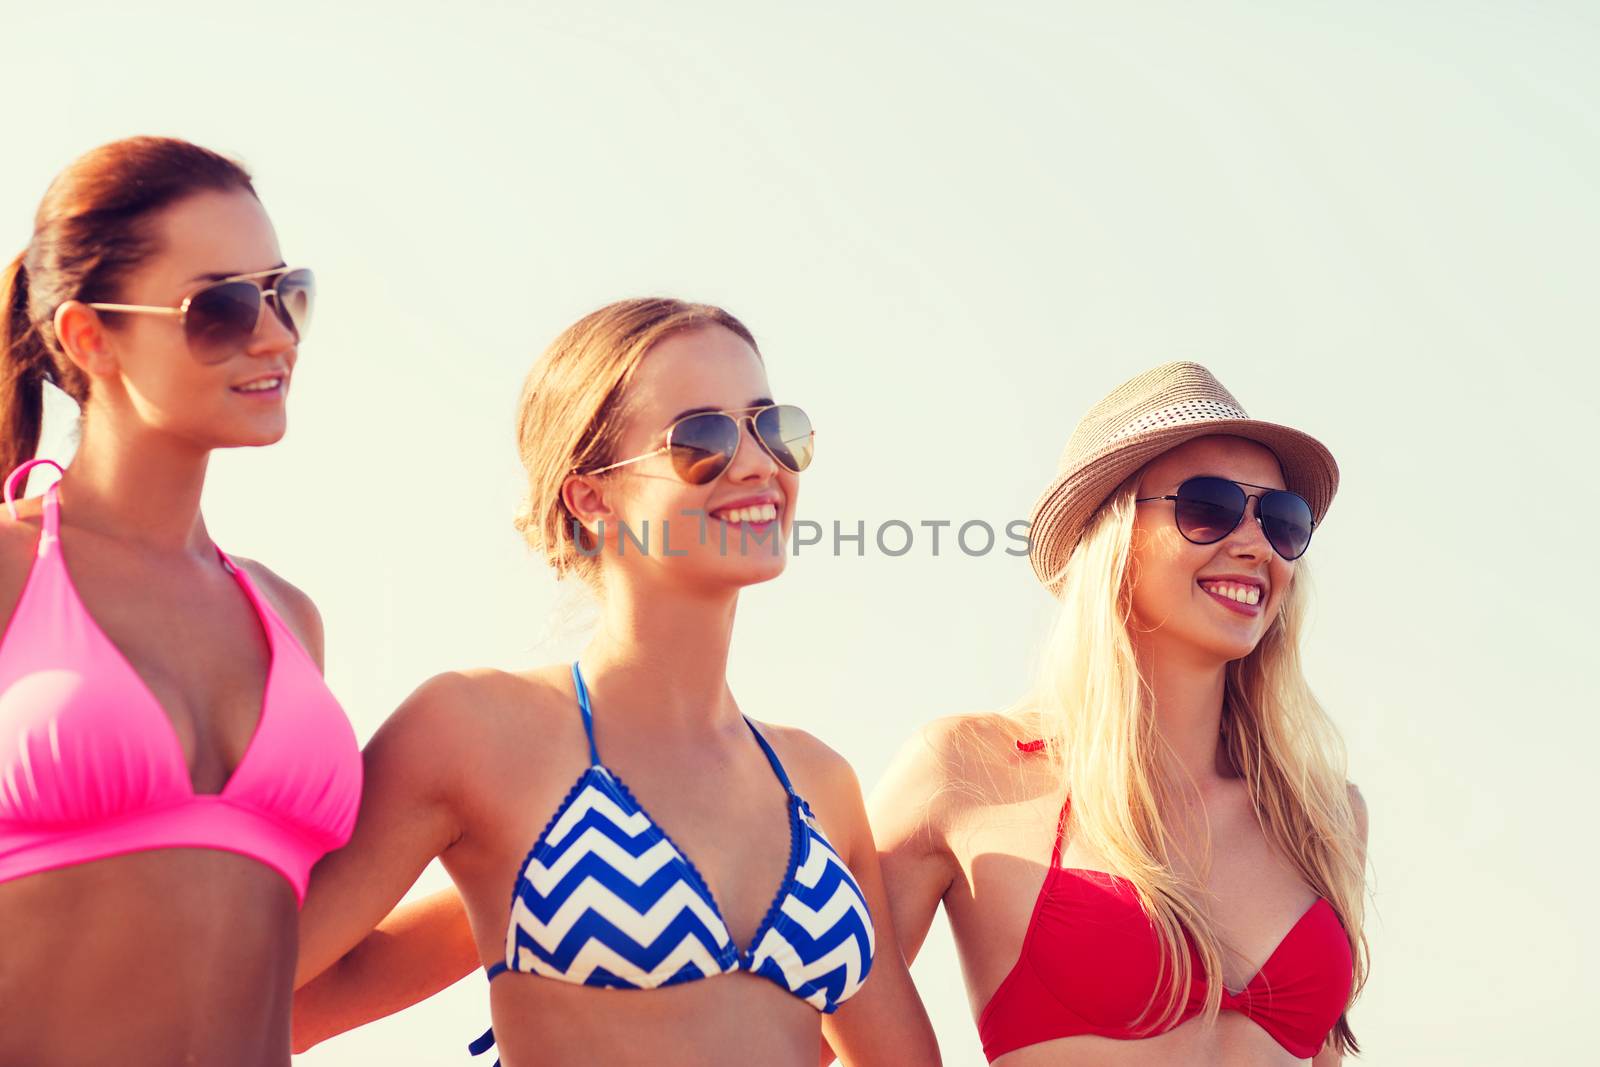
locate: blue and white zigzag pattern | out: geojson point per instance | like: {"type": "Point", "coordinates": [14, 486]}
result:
{"type": "Point", "coordinates": [819, 942]}
{"type": "Point", "coordinates": [605, 899]}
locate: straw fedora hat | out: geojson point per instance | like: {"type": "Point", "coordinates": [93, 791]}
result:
{"type": "Point", "coordinates": [1142, 418]}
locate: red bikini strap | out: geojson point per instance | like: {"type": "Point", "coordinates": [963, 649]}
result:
{"type": "Point", "coordinates": [1061, 829]}
{"type": "Point", "coordinates": [1038, 745]}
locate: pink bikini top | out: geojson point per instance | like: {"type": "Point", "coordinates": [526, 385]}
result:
{"type": "Point", "coordinates": [90, 766]}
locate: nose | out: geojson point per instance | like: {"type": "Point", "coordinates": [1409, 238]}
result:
{"type": "Point", "coordinates": [1248, 540]}
{"type": "Point", "coordinates": [271, 337]}
{"type": "Point", "coordinates": [751, 463]}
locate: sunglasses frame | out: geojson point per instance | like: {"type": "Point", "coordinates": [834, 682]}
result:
{"type": "Point", "coordinates": [182, 310]}
{"type": "Point", "coordinates": [1243, 512]}
{"type": "Point", "coordinates": [740, 416]}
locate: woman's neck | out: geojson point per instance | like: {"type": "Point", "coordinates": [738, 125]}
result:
{"type": "Point", "coordinates": [1187, 693]}
{"type": "Point", "coordinates": [141, 487]}
{"type": "Point", "coordinates": [665, 654]}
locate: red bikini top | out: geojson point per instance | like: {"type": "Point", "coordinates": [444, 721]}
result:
{"type": "Point", "coordinates": [1091, 957]}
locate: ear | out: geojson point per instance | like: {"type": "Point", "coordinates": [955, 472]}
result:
{"type": "Point", "coordinates": [585, 497]}
{"type": "Point", "coordinates": [83, 338]}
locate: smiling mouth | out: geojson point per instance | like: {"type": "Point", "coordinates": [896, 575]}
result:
{"type": "Point", "coordinates": [756, 514]}
{"type": "Point", "coordinates": [1239, 593]}
{"type": "Point", "coordinates": [261, 385]}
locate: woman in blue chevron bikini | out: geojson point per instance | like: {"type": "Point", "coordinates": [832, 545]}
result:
{"type": "Point", "coordinates": [721, 903]}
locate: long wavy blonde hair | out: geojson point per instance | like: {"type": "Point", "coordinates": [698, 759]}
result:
{"type": "Point", "coordinates": [1095, 715]}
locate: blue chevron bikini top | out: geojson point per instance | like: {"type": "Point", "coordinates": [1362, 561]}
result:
{"type": "Point", "coordinates": [606, 899]}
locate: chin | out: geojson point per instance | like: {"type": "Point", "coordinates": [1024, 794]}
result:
{"type": "Point", "coordinates": [1209, 642]}
{"type": "Point", "coordinates": [254, 437]}
{"type": "Point", "coordinates": [756, 571]}
{"type": "Point", "coordinates": [1229, 651]}
{"type": "Point", "coordinates": [751, 569]}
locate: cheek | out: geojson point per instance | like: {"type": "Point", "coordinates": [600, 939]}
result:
{"type": "Point", "coordinates": [1164, 566]}
{"type": "Point", "coordinates": [151, 354]}
{"type": "Point", "coordinates": [175, 385]}
{"type": "Point", "coordinates": [789, 486]}
{"type": "Point", "coordinates": [1281, 574]}
{"type": "Point", "coordinates": [659, 500]}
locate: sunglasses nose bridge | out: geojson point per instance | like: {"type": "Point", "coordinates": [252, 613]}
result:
{"type": "Point", "coordinates": [757, 450]}
{"type": "Point", "coordinates": [1248, 533]}
{"type": "Point", "coordinates": [272, 328]}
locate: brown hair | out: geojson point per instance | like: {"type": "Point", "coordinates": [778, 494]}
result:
{"type": "Point", "coordinates": [571, 412]}
{"type": "Point", "coordinates": [92, 229]}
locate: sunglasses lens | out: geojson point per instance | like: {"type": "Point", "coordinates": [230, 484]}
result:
{"type": "Point", "coordinates": [221, 319]}
{"type": "Point", "coordinates": [703, 446]}
{"type": "Point", "coordinates": [786, 431]}
{"type": "Point", "coordinates": [296, 291]}
{"type": "Point", "coordinates": [1208, 509]}
{"type": "Point", "coordinates": [1286, 520]}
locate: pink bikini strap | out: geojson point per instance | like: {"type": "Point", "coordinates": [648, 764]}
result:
{"type": "Point", "coordinates": [18, 478]}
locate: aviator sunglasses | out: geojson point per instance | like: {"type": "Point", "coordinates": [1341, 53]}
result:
{"type": "Point", "coordinates": [1208, 508]}
{"type": "Point", "coordinates": [703, 445]}
{"type": "Point", "coordinates": [219, 319]}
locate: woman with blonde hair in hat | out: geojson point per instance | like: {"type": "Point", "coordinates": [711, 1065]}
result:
{"type": "Point", "coordinates": [1156, 858]}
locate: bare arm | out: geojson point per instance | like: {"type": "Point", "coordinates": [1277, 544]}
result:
{"type": "Point", "coordinates": [424, 946]}
{"type": "Point", "coordinates": [408, 816]}
{"type": "Point", "coordinates": [885, 1022]}
{"type": "Point", "coordinates": [404, 821]}
{"type": "Point", "coordinates": [913, 868]}
{"type": "Point", "coordinates": [917, 866]}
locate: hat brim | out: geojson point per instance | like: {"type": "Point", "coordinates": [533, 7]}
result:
{"type": "Point", "coordinates": [1065, 508]}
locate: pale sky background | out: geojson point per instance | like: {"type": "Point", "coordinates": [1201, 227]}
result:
{"type": "Point", "coordinates": [952, 232]}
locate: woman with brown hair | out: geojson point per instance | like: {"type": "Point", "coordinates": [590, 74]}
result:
{"type": "Point", "coordinates": [1156, 859]}
{"type": "Point", "coordinates": [171, 764]}
{"type": "Point", "coordinates": [719, 905]}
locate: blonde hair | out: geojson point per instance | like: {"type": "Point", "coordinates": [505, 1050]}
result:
{"type": "Point", "coordinates": [572, 410]}
{"type": "Point", "coordinates": [1094, 706]}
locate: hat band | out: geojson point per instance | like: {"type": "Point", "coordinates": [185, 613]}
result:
{"type": "Point", "coordinates": [1177, 414]}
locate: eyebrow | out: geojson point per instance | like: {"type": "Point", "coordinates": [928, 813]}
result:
{"type": "Point", "coordinates": [217, 276]}
{"type": "Point", "coordinates": [760, 401]}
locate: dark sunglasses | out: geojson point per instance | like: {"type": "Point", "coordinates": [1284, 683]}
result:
{"type": "Point", "coordinates": [1207, 509]}
{"type": "Point", "coordinates": [703, 445]}
{"type": "Point", "coordinates": [219, 319]}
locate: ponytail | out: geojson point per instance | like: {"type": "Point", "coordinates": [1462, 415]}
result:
{"type": "Point", "coordinates": [24, 362]}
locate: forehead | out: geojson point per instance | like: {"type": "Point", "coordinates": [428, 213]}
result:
{"type": "Point", "coordinates": [706, 367]}
{"type": "Point", "coordinates": [210, 233]}
{"type": "Point", "coordinates": [1233, 458]}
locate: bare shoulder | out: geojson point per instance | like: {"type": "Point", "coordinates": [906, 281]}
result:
{"type": "Point", "coordinates": [291, 603]}
{"type": "Point", "coordinates": [953, 769]}
{"type": "Point", "coordinates": [19, 537]}
{"type": "Point", "coordinates": [476, 702]}
{"type": "Point", "coordinates": [812, 765]}
{"type": "Point", "coordinates": [454, 730]}
{"type": "Point", "coordinates": [977, 754]}
{"type": "Point", "coordinates": [19, 543]}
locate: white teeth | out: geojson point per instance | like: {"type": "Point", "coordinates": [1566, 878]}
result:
{"type": "Point", "coordinates": [755, 513]}
{"type": "Point", "coordinates": [261, 386]}
{"type": "Point", "coordinates": [1239, 594]}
